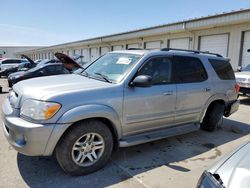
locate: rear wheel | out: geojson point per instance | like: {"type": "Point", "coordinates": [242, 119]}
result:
{"type": "Point", "coordinates": [85, 148]}
{"type": "Point", "coordinates": [213, 117]}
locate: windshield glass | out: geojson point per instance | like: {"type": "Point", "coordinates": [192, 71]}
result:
{"type": "Point", "coordinates": [41, 63]}
{"type": "Point", "coordinates": [22, 65]}
{"type": "Point", "coordinates": [247, 68]}
{"type": "Point", "coordinates": [113, 66]}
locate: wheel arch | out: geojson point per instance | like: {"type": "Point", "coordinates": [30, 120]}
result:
{"type": "Point", "coordinates": [213, 100]}
{"type": "Point", "coordinates": [84, 113]}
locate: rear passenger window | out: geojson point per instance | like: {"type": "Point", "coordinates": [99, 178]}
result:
{"type": "Point", "coordinates": [50, 69]}
{"type": "Point", "coordinates": [159, 68]}
{"type": "Point", "coordinates": [11, 62]}
{"type": "Point", "coordinates": [223, 69]}
{"type": "Point", "coordinates": [188, 70]}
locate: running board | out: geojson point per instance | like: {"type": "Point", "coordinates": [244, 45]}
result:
{"type": "Point", "coordinates": [157, 135]}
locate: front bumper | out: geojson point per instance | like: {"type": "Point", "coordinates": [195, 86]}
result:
{"type": "Point", "coordinates": [25, 137]}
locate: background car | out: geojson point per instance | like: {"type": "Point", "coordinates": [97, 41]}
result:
{"type": "Point", "coordinates": [10, 63]}
{"type": "Point", "coordinates": [243, 79]}
{"type": "Point", "coordinates": [232, 171]}
{"type": "Point", "coordinates": [64, 65]}
{"type": "Point", "coordinates": [26, 63]}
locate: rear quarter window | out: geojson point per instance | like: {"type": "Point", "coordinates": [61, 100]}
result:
{"type": "Point", "coordinates": [223, 69]}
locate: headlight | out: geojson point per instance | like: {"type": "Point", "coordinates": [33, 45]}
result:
{"type": "Point", "coordinates": [39, 110]}
{"type": "Point", "coordinates": [207, 180]}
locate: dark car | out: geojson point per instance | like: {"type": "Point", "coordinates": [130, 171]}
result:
{"type": "Point", "coordinates": [64, 65]}
{"type": "Point", "coordinates": [26, 64]}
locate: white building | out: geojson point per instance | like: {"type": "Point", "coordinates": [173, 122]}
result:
{"type": "Point", "coordinates": [11, 51]}
{"type": "Point", "coordinates": [227, 34]}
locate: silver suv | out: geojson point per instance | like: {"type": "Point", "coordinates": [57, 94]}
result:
{"type": "Point", "coordinates": [122, 99]}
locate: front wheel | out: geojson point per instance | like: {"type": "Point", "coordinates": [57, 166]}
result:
{"type": "Point", "coordinates": [86, 148]}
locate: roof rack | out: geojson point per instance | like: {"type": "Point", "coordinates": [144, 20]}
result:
{"type": "Point", "coordinates": [134, 49]}
{"type": "Point", "coordinates": [193, 51]}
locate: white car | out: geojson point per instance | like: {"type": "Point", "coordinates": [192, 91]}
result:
{"type": "Point", "coordinates": [243, 80]}
{"type": "Point", "coordinates": [10, 62]}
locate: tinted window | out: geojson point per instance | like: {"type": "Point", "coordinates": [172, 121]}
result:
{"type": "Point", "coordinates": [49, 69]}
{"type": "Point", "coordinates": [223, 69]}
{"type": "Point", "coordinates": [159, 69]}
{"type": "Point", "coordinates": [188, 69]}
{"type": "Point", "coordinates": [59, 68]}
{"type": "Point", "coordinates": [11, 61]}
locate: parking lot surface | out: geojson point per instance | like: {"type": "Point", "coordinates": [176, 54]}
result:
{"type": "Point", "coordinates": [172, 162]}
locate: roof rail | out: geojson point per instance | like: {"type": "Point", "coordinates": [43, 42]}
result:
{"type": "Point", "coordinates": [193, 51]}
{"type": "Point", "coordinates": [134, 49]}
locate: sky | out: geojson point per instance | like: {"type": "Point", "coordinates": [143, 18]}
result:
{"type": "Point", "coordinates": [50, 22]}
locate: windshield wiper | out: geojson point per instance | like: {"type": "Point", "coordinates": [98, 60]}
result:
{"type": "Point", "coordinates": [104, 77]}
{"type": "Point", "coordinates": [84, 73]}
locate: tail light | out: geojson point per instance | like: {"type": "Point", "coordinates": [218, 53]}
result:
{"type": "Point", "coordinates": [237, 88]}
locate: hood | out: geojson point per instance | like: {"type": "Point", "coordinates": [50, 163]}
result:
{"type": "Point", "coordinates": [17, 73]}
{"type": "Point", "coordinates": [67, 60]}
{"type": "Point", "coordinates": [26, 57]}
{"type": "Point", "coordinates": [234, 170]}
{"type": "Point", "coordinates": [37, 88]}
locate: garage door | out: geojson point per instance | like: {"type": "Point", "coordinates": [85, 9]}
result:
{"type": "Point", "coordinates": [117, 48]}
{"type": "Point", "coordinates": [182, 43]}
{"type": "Point", "coordinates": [48, 55]}
{"type": "Point", "coordinates": [153, 45]}
{"type": "Point", "coordinates": [245, 54]}
{"type": "Point", "coordinates": [104, 50]}
{"type": "Point", "coordinates": [136, 45]}
{"type": "Point", "coordinates": [77, 52]}
{"type": "Point", "coordinates": [85, 55]}
{"type": "Point", "coordinates": [94, 54]}
{"type": "Point", "coordinates": [70, 53]}
{"type": "Point", "coordinates": [215, 43]}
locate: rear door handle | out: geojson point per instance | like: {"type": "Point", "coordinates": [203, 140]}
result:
{"type": "Point", "coordinates": [167, 93]}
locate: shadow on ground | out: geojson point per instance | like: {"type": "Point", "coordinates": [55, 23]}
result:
{"type": "Point", "coordinates": [245, 100]}
{"type": "Point", "coordinates": [127, 162]}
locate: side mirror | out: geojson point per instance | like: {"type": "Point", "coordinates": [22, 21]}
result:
{"type": "Point", "coordinates": [239, 68]}
{"type": "Point", "coordinates": [142, 81]}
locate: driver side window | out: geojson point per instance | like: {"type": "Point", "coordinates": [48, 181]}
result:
{"type": "Point", "coordinates": [159, 68]}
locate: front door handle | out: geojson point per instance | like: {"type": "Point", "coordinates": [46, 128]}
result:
{"type": "Point", "coordinates": [167, 93]}
{"type": "Point", "coordinates": [207, 89]}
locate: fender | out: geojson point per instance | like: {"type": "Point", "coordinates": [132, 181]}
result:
{"type": "Point", "coordinates": [213, 98]}
{"type": "Point", "coordinates": [80, 113]}
{"type": "Point", "coordinates": [92, 111]}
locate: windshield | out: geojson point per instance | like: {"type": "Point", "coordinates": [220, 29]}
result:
{"type": "Point", "coordinates": [22, 65]}
{"type": "Point", "coordinates": [112, 66]}
{"type": "Point", "coordinates": [41, 63]}
{"type": "Point", "coordinates": [247, 68]}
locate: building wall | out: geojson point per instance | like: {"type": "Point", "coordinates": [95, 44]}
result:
{"type": "Point", "coordinates": [234, 31]}
{"type": "Point", "coordinates": [10, 51]}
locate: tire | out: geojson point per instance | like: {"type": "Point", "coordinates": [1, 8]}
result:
{"type": "Point", "coordinates": [68, 157]}
{"type": "Point", "coordinates": [213, 117]}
